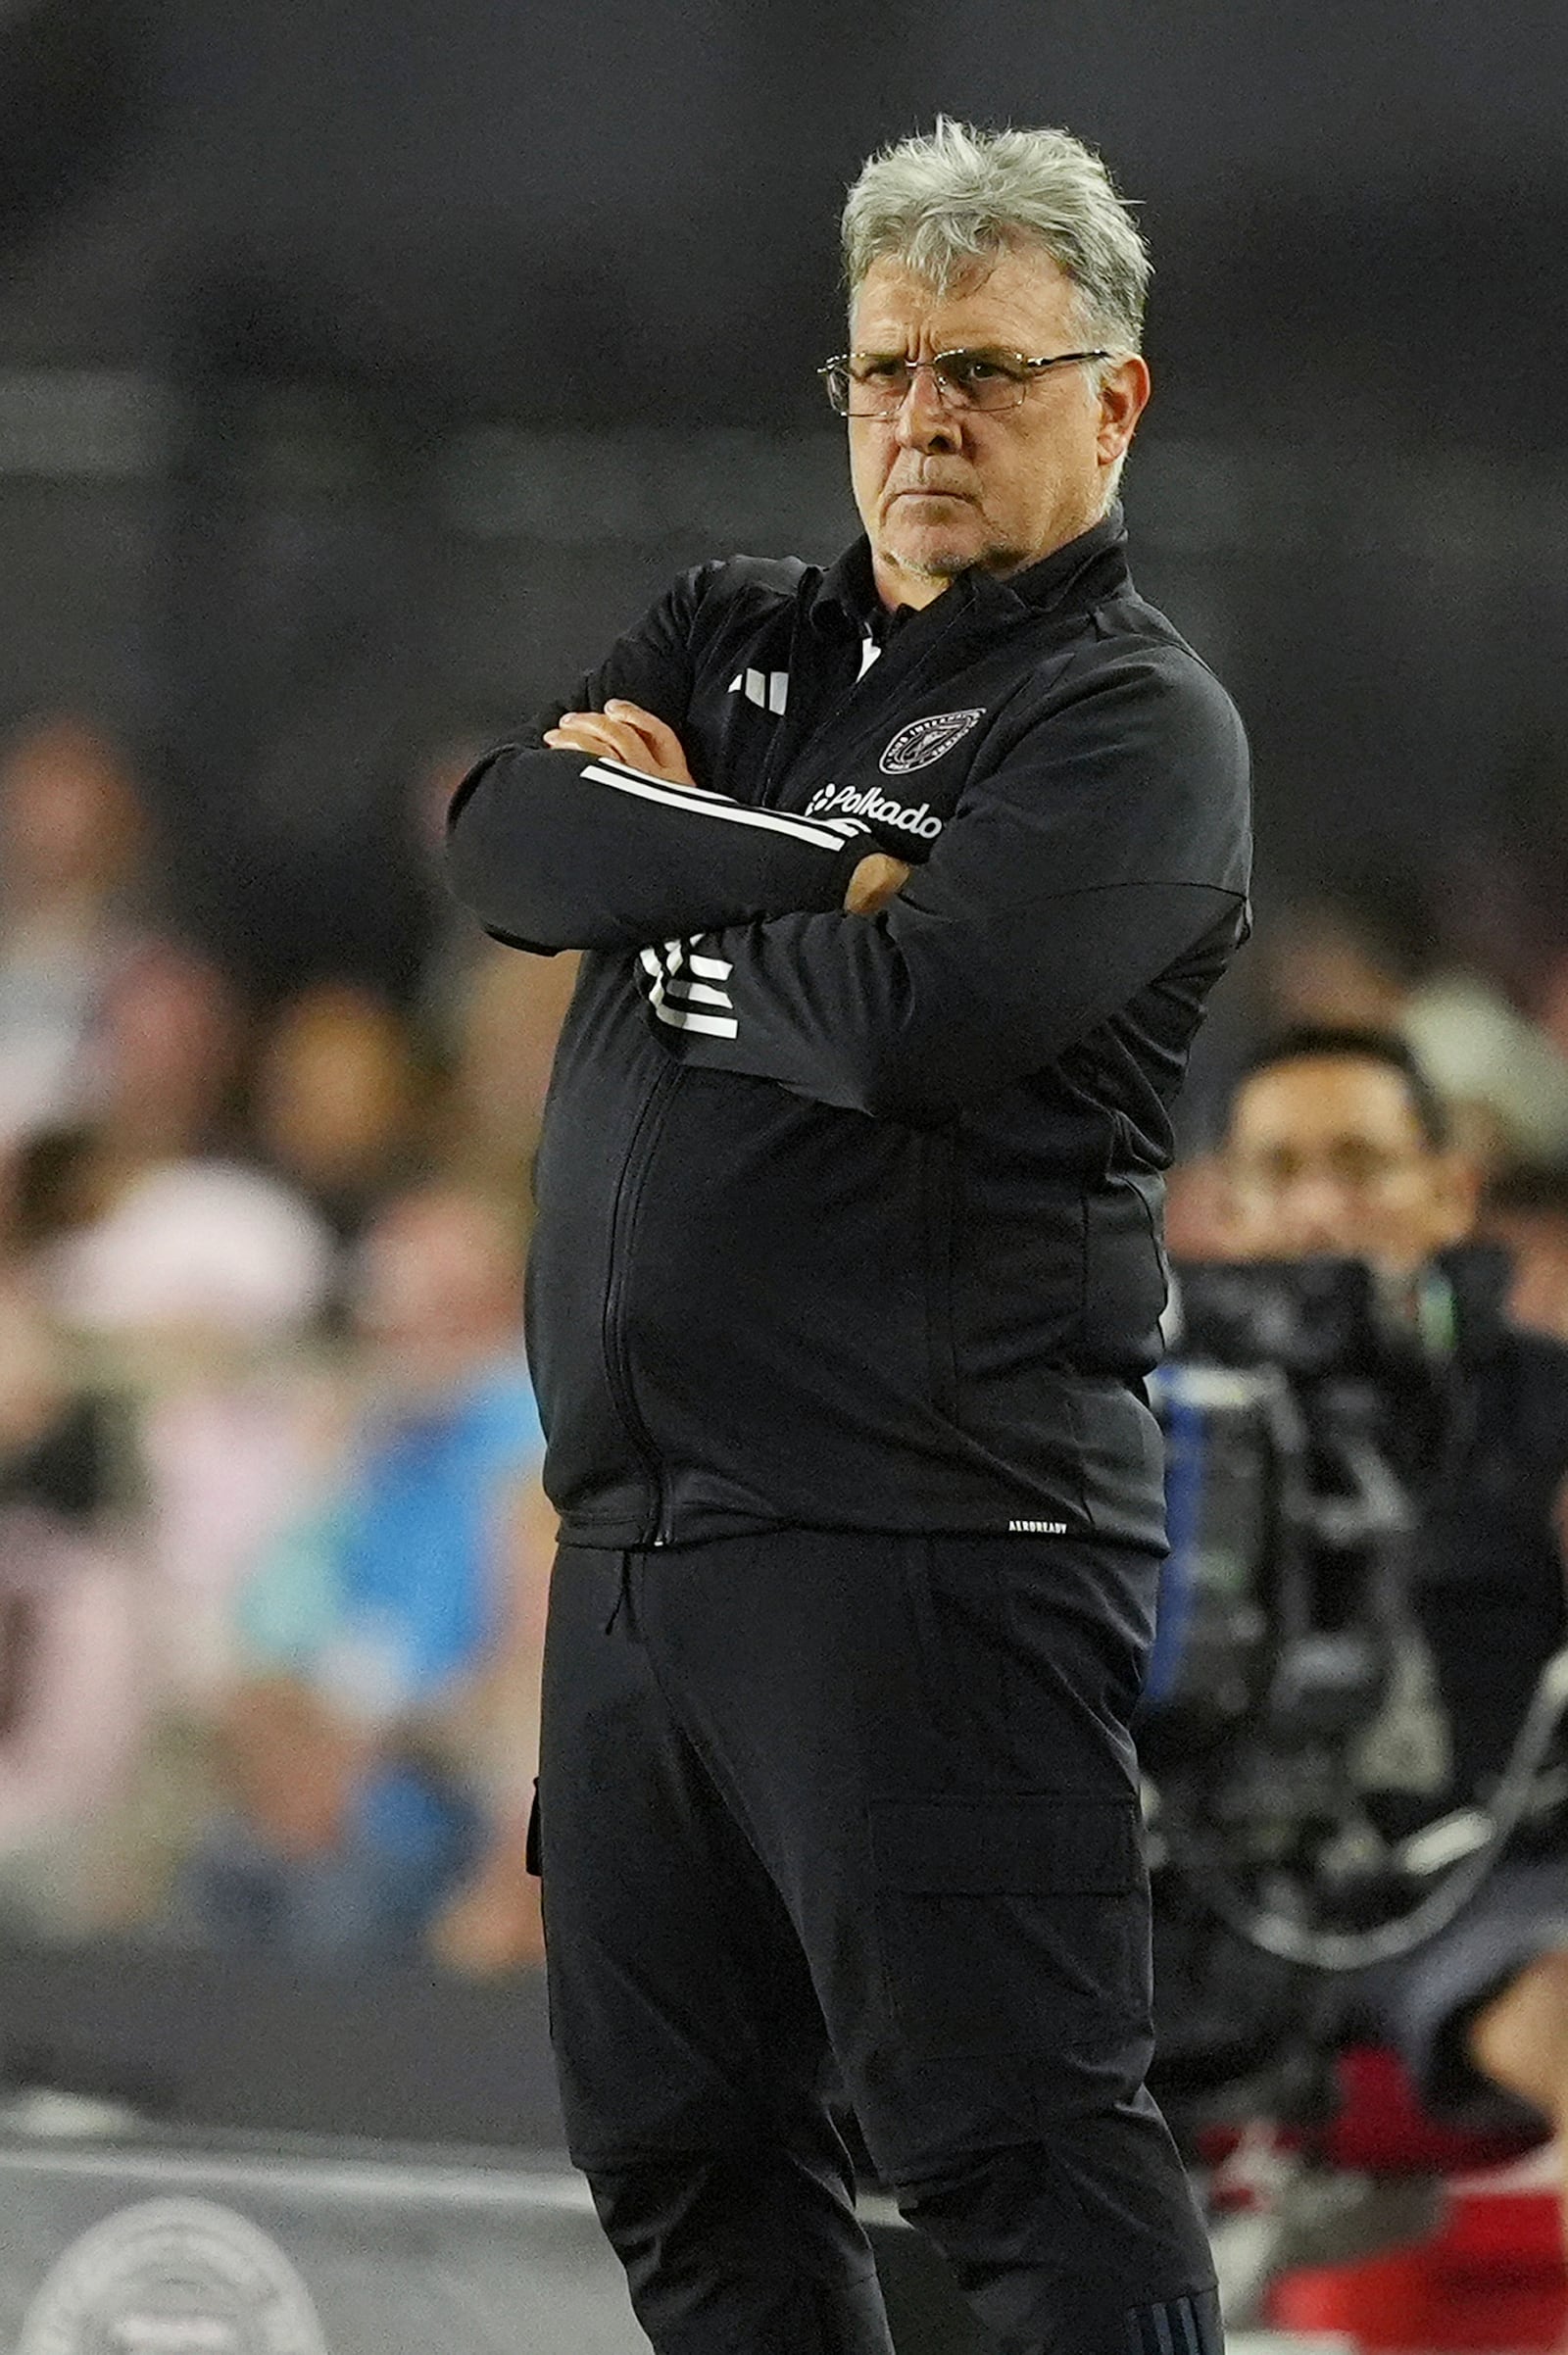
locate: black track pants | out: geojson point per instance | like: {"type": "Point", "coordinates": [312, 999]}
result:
{"type": "Point", "coordinates": [824, 1810]}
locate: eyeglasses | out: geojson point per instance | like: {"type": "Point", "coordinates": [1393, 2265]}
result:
{"type": "Point", "coordinates": [876, 384]}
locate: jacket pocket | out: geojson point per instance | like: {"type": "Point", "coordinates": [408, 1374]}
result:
{"type": "Point", "coordinates": [1013, 1924]}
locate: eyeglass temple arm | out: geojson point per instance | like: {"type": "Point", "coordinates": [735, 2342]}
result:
{"type": "Point", "coordinates": [1061, 359]}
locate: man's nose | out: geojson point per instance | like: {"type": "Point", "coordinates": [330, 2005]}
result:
{"type": "Point", "coordinates": [924, 421]}
{"type": "Point", "coordinates": [1318, 1215]}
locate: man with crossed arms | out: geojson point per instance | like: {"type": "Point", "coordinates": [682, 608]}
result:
{"type": "Point", "coordinates": [902, 884]}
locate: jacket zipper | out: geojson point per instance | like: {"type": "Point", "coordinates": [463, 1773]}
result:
{"type": "Point", "coordinates": [617, 1362]}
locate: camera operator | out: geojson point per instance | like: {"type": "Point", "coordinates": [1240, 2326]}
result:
{"type": "Point", "coordinates": [1339, 1144]}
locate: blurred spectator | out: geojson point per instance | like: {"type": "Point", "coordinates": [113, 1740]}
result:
{"type": "Point", "coordinates": [158, 1067]}
{"type": "Point", "coordinates": [203, 1252]}
{"type": "Point", "coordinates": [379, 1749]}
{"type": "Point", "coordinates": [200, 1283]}
{"type": "Point", "coordinates": [1526, 1209]}
{"type": "Point", "coordinates": [162, 1065]}
{"type": "Point", "coordinates": [1370, 959]}
{"type": "Point", "coordinates": [71, 836]}
{"type": "Point", "coordinates": [196, 1293]}
{"type": "Point", "coordinates": [73, 1673]}
{"type": "Point", "coordinates": [196, 1273]}
{"type": "Point", "coordinates": [501, 1050]}
{"type": "Point", "coordinates": [337, 1097]}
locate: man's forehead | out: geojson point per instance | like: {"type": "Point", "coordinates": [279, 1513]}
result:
{"type": "Point", "coordinates": [1013, 301]}
{"type": "Point", "coordinates": [1322, 1098]}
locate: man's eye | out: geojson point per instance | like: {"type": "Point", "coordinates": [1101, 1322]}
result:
{"type": "Point", "coordinates": [973, 367]}
{"type": "Point", "coordinates": [878, 371]}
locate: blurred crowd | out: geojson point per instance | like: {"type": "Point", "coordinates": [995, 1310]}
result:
{"type": "Point", "coordinates": [272, 1545]}
{"type": "Point", "coordinates": [274, 1550]}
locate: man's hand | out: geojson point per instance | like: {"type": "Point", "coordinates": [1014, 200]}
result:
{"type": "Point", "coordinates": [626, 733]}
{"type": "Point", "coordinates": [879, 878]}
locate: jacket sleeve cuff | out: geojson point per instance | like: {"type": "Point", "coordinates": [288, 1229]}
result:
{"type": "Point", "coordinates": [833, 879]}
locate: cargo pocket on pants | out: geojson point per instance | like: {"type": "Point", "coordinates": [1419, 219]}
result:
{"type": "Point", "coordinates": [1012, 1925]}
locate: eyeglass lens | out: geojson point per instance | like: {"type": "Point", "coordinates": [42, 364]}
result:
{"type": "Point", "coordinates": [872, 385]}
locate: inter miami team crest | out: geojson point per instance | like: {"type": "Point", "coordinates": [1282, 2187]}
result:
{"type": "Point", "coordinates": [925, 740]}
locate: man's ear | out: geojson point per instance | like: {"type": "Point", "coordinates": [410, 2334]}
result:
{"type": "Point", "coordinates": [1123, 397]}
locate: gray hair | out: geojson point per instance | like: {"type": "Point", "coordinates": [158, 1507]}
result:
{"type": "Point", "coordinates": [945, 202]}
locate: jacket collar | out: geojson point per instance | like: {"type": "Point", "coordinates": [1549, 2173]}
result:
{"type": "Point", "coordinates": [1094, 564]}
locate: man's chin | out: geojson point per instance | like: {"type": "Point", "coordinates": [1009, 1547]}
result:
{"type": "Point", "coordinates": [936, 560]}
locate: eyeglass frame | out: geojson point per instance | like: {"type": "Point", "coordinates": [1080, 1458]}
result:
{"type": "Point", "coordinates": [1023, 360]}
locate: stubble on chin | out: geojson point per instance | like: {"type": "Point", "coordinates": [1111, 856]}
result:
{"type": "Point", "coordinates": [925, 555]}
{"type": "Point", "coordinates": [940, 565]}
{"type": "Point", "coordinates": [947, 564]}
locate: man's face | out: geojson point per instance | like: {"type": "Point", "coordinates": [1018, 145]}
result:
{"type": "Point", "coordinates": [941, 490]}
{"type": "Point", "coordinates": [1326, 1154]}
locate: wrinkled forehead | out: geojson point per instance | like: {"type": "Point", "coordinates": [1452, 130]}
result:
{"type": "Point", "coordinates": [1021, 301]}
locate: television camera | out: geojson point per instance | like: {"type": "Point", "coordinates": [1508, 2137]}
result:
{"type": "Point", "coordinates": [1296, 1751]}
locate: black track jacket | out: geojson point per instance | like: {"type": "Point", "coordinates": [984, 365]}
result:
{"type": "Point", "coordinates": [853, 1222]}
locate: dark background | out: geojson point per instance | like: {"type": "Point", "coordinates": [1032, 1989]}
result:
{"type": "Point", "coordinates": [364, 367]}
